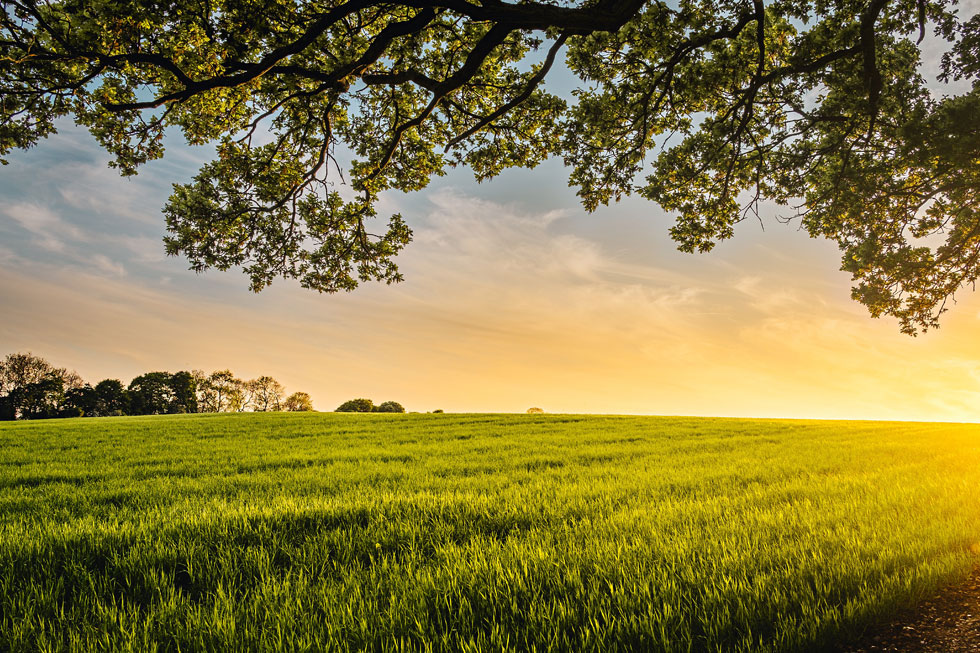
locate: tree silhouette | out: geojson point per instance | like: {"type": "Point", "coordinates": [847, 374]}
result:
{"type": "Point", "coordinates": [113, 398]}
{"type": "Point", "coordinates": [151, 394]}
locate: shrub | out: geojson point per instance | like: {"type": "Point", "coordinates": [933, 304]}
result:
{"type": "Point", "coordinates": [356, 406]}
{"type": "Point", "coordinates": [438, 410]}
{"type": "Point", "coordinates": [534, 411]}
{"type": "Point", "coordinates": [390, 407]}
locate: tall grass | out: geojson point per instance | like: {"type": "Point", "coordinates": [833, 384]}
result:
{"type": "Point", "coordinates": [474, 532]}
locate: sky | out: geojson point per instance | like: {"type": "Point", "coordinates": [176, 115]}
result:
{"type": "Point", "coordinates": [513, 297]}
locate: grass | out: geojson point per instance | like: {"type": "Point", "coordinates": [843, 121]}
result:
{"type": "Point", "coordinates": [474, 532]}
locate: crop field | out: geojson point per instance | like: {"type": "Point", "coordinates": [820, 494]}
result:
{"type": "Point", "coordinates": [475, 532]}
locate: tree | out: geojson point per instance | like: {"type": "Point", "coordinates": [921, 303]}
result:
{"type": "Point", "coordinates": [42, 399]}
{"type": "Point", "coordinates": [221, 392]}
{"type": "Point", "coordinates": [30, 387]}
{"type": "Point", "coordinates": [298, 402]}
{"type": "Point", "coordinates": [8, 408]}
{"type": "Point", "coordinates": [52, 396]}
{"type": "Point", "coordinates": [112, 398]}
{"type": "Point", "coordinates": [71, 379]}
{"type": "Point", "coordinates": [151, 394]}
{"type": "Point", "coordinates": [19, 370]}
{"type": "Point", "coordinates": [817, 107]}
{"type": "Point", "coordinates": [183, 385]}
{"type": "Point", "coordinates": [389, 407]}
{"type": "Point", "coordinates": [265, 394]}
{"type": "Point", "coordinates": [238, 397]}
{"type": "Point", "coordinates": [356, 406]}
{"type": "Point", "coordinates": [80, 402]}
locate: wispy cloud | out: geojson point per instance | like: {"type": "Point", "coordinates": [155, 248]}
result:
{"type": "Point", "coordinates": [48, 229]}
{"type": "Point", "coordinates": [108, 266]}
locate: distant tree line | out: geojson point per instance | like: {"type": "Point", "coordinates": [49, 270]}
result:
{"type": "Point", "coordinates": [32, 388]}
{"type": "Point", "coordinates": [367, 406]}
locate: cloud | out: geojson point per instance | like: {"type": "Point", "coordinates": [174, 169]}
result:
{"type": "Point", "coordinates": [144, 249]}
{"type": "Point", "coordinates": [104, 264]}
{"type": "Point", "coordinates": [9, 257]}
{"type": "Point", "coordinates": [50, 231]}
{"type": "Point", "coordinates": [71, 245]}
{"type": "Point", "coordinates": [522, 255]}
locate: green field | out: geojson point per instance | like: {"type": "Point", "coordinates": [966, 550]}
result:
{"type": "Point", "coordinates": [474, 532]}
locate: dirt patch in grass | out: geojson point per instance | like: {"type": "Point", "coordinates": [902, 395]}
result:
{"type": "Point", "coordinates": [947, 623]}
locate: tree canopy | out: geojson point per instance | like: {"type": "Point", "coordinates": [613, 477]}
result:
{"type": "Point", "coordinates": [707, 108]}
{"type": "Point", "coordinates": [356, 406]}
{"type": "Point", "coordinates": [389, 407]}
{"type": "Point", "coordinates": [298, 402]}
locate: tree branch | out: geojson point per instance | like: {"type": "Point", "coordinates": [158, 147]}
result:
{"type": "Point", "coordinates": [521, 97]}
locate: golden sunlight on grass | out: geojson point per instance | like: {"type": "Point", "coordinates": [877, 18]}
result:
{"type": "Point", "coordinates": [466, 532]}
